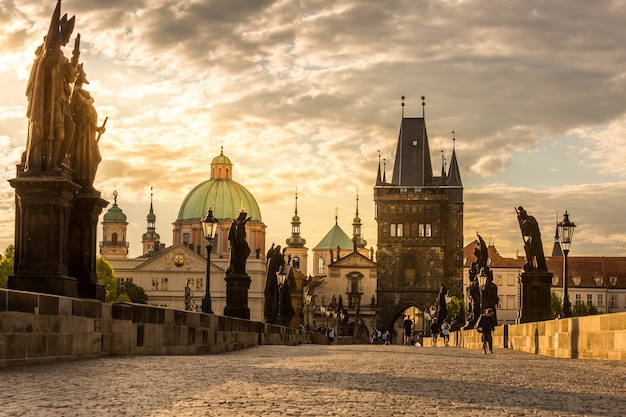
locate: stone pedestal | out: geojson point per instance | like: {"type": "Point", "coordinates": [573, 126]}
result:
{"type": "Point", "coordinates": [82, 243]}
{"type": "Point", "coordinates": [535, 296]}
{"type": "Point", "coordinates": [42, 213]}
{"type": "Point", "coordinates": [237, 286]}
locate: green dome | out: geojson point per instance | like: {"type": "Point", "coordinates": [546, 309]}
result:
{"type": "Point", "coordinates": [221, 159]}
{"type": "Point", "coordinates": [114, 215]}
{"type": "Point", "coordinates": [226, 197]}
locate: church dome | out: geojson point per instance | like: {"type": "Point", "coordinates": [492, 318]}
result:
{"type": "Point", "coordinates": [221, 159]}
{"type": "Point", "coordinates": [226, 198]}
{"type": "Point", "coordinates": [114, 214]}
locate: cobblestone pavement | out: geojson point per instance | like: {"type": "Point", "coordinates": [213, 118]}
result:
{"type": "Point", "coordinates": [312, 380]}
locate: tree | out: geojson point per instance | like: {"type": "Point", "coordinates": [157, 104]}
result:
{"type": "Point", "coordinates": [582, 309]}
{"type": "Point", "coordinates": [555, 304]}
{"type": "Point", "coordinates": [6, 265]}
{"type": "Point", "coordinates": [453, 308]}
{"type": "Point", "coordinates": [134, 292]}
{"type": "Point", "coordinates": [106, 277]}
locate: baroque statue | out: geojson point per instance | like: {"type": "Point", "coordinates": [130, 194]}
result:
{"type": "Point", "coordinates": [239, 249]}
{"type": "Point", "coordinates": [62, 121]}
{"type": "Point", "coordinates": [531, 236]}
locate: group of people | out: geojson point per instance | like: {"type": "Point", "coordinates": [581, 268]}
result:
{"type": "Point", "coordinates": [443, 329]}
{"type": "Point", "coordinates": [484, 325]}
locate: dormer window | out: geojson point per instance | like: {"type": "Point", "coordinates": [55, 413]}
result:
{"type": "Point", "coordinates": [613, 281]}
{"type": "Point", "coordinates": [599, 281]}
{"type": "Point", "coordinates": [576, 280]}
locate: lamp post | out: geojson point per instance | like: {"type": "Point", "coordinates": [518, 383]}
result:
{"type": "Point", "coordinates": [280, 277]}
{"type": "Point", "coordinates": [209, 224]}
{"type": "Point", "coordinates": [566, 233]}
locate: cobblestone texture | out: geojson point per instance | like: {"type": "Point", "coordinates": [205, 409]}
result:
{"type": "Point", "coordinates": [313, 380]}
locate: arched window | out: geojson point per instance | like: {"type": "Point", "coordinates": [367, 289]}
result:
{"type": "Point", "coordinates": [186, 239]}
{"type": "Point", "coordinates": [114, 238]}
{"type": "Point", "coordinates": [321, 266]}
{"type": "Point", "coordinates": [296, 262]}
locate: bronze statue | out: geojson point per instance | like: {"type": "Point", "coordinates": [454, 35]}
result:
{"type": "Point", "coordinates": [275, 262]}
{"type": "Point", "coordinates": [531, 235]}
{"type": "Point", "coordinates": [85, 155]}
{"type": "Point", "coordinates": [239, 249]}
{"type": "Point", "coordinates": [479, 266]}
{"type": "Point", "coordinates": [50, 125]}
{"type": "Point", "coordinates": [490, 297]}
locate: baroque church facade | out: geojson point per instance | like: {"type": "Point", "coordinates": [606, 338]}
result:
{"type": "Point", "coordinates": [175, 277]}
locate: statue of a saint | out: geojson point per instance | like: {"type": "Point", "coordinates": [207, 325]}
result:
{"type": "Point", "coordinates": [85, 155]}
{"type": "Point", "coordinates": [490, 296]}
{"type": "Point", "coordinates": [239, 249]}
{"type": "Point", "coordinates": [274, 263]}
{"type": "Point", "coordinates": [531, 235]}
{"type": "Point", "coordinates": [50, 125]}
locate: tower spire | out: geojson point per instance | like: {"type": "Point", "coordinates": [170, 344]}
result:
{"type": "Point", "coordinates": [150, 239]}
{"type": "Point", "coordinates": [357, 240]}
{"type": "Point", "coordinates": [384, 170]}
{"type": "Point", "coordinates": [378, 177]}
{"type": "Point", "coordinates": [295, 241]}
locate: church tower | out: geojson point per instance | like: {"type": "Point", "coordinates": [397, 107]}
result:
{"type": "Point", "coordinates": [114, 225]}
{"type": "Point", "coordinates": [357, 231]}
{"type": "Point", "coordinates": [295, 244]}
{"type": "Point", "coordinates": [420, 226]}
{"type": "Point", "coordinates": [151, 240]}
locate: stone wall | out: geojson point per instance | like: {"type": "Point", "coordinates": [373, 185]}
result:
{"type": "Point", "coordinates": [591, 337]}
{"type": "Point", "coordinates": [39, 328]}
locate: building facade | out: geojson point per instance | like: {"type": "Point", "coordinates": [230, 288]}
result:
{"type": "Point", "coordinates": [166, 274]}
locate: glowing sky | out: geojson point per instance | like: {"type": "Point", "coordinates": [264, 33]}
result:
{"type": "Point", "coordinates": [304, 93]}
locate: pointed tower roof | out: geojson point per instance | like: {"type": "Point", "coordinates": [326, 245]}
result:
{"type": "Point", "coordinates": [379, 180]}
{"type": "Point", "coordinates": [412, 166]}
{"type": "Point", "coordinates": [454, 175]}
{"type": "Point", "coordinates": [357, 230]}
{"type": "Point", "coordinates": [556, 248]}
{"type": "Point", "coordinates": [335, 237]}
{"type": "Point", "coordinates": [295, 241]}
{"type": "Point", "coordinates": [151, 235]}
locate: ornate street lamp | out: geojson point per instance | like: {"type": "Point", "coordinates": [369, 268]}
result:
{"type": "Point", "coordinates": [566, 233]}
{"type": "Point", "coordinates": [281, 276]}
{"type": "Point", "coordinates": [209, 225]}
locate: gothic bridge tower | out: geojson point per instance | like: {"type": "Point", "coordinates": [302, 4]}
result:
{"type": "Point", "coordinates": [420, 226]}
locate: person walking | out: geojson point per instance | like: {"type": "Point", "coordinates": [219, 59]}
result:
{"type": "Point", "coordinates": [445, 332]}
{"type": "Point", "coordinates": [407, 326]}
{"type": "Point", "coordinates": [486, 326]}
{"type": "Point", "coordinates": [434, 332]}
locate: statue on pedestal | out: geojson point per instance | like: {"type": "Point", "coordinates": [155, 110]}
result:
{"type": "Point", "coordinates": [531, 235]}
{"type": "Point", "coordinates": [49, 89]}
{"type": "Point", "coordinates": [239, 249]}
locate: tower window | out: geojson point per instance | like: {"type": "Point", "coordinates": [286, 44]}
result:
{"type": "Point", "coordinates": [396, 230]}
{"type": "Point", "coordinates": [296, 262]}
{"type": "Point", "coordinates": [186, 239]}
{"type": "Point", "coordinates": [114, 238]}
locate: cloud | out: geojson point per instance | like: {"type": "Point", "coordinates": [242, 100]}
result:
{"type": "Point", "coordinates": [305, 93]}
